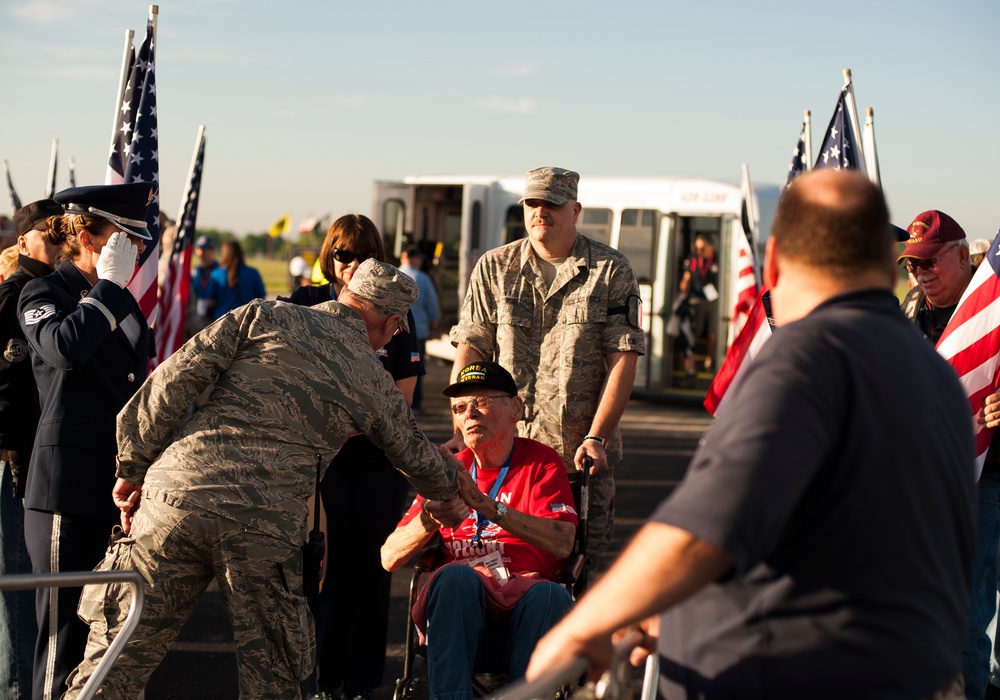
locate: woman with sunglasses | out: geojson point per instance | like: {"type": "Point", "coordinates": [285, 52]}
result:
{"type": "Point", "coordinates": [363, 495]}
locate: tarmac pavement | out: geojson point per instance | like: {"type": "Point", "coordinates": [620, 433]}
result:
{"type": "Point", "coordinates": [659, 441]}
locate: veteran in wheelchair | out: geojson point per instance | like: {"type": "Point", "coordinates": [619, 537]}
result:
{"type": "Point", "coordinates": [498, 591]}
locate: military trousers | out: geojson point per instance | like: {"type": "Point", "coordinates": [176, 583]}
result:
{"type": "Point", "coordinates": [178, 551]}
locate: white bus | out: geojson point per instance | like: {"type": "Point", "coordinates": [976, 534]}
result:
{"type": "Point", "coordinates": [652, 220]}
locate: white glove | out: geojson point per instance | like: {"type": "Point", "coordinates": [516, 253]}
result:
{"type": "Point", "coordinates": [117, 261]}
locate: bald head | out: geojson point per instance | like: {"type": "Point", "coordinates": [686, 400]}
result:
{"type": "Point", "coordinates": [835, 221]}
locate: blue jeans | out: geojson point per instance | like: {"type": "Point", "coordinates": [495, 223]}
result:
{"type": "Point", "coordinates": [983, 604]}
{"type": "Point", "coordinates": [459, 633]}
{"type": "Point", "coordinates": [18, 628]}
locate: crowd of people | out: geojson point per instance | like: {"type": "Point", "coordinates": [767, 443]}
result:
{"type": "Point", "coordinates": [826, 542]}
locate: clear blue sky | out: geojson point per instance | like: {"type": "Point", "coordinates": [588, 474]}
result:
{"type": "Point", "coordinates": [306, 103]}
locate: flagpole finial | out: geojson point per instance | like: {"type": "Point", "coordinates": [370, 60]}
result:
{"type": "Point", "coordinates": [870, 112]}
{"type": "Point", "coordinates": [154, 9]}
{"type": "Point", "coordinates": [847, 76]}
{"type": "Point", "coordinates": [807, 113]}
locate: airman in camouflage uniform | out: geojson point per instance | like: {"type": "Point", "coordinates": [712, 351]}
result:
{"type": "Point", "coordinates": [562, 312]}
{"type": "Point", "coordinates": [224, 493]}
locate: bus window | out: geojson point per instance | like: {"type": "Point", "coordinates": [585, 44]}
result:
{"type": "Point", "coordinates": [514, 224]}
{"type": "Point", "coordinates": [595, 224]}
{"type": "Point", "coordinates": [476, 227]}
{"type": "Point", "coordinates": [636, 241]}
{"type": "Point", "coordinates": [393, 211]}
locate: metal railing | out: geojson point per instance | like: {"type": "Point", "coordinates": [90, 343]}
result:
{"type": "Point", "coordinates": [21, 582]}
{"type": "Point", "coordinates": [614, 684]}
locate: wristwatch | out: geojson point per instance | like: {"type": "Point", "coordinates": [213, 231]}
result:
{"type": "Point", "coordinates": [596, 438]}
{"type": "Point", "coordinates": [501, 511]}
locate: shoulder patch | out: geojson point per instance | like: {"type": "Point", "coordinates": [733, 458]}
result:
{"type": "Point", "coordinates": [33, 316]}
{"type": "Point", "coordinates": [16, 351]}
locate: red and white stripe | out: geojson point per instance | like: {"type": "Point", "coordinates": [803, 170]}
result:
{"type": "Point", "coordinates": [748, 343]}
{"type": "Point", "coordinates": [746, 289]}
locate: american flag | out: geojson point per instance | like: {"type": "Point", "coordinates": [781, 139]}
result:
{"type": "Point", "coordinates": [842, 144]}
{"type": "Point", "coordinates": [142, 165]}
{"type": "Point", "coordinates": [799, 162]}
{"type": "Point", "coordinates": [15, 201]}
{"type": "Point", "coordinates": [176, 288]}
{"type": "Point", "coordinates": [746, 346]}
{"type": "Point", "coordinates": [746, 263]}
{"type": "Point", "coordinates": [971, 342]}
{"type": "Point", "coordinates": [121, 138]}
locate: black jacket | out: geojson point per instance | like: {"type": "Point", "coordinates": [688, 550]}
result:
{"type": "Point", "coordinates": [19, 408]}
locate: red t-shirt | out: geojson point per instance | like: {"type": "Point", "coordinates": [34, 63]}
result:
{"type": "Point", "coordinates": [535, 484]}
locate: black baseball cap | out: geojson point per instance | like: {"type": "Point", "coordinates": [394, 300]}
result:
{"type": "Point", "coordinates": [488, 375]}
{"type": "Point", "coordinates": [33, 215]}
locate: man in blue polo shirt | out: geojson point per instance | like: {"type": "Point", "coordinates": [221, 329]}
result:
{"type": "Point", "coordinates": [821, 543]}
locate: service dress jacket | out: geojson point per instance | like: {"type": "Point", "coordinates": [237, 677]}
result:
{"type": "Point", "coordinates": [87, 368]}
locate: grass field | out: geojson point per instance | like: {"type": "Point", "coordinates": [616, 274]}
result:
{"type": "Point", "coordinates": [275, 274]}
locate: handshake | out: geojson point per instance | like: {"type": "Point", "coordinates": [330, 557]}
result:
{"type": "Point", "coordinates": [452, 512]}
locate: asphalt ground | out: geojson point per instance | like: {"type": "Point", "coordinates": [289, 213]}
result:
{"type": "Point", "coordinates": [659, 441]}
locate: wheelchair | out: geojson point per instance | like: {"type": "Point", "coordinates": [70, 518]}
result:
{"type": "Point", "coordinates": [573, 576]}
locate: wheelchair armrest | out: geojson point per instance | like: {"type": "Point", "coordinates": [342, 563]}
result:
{"type": "Point", "coordinates": [571, 572]}
{"type": "Point", "coordinates": [430, 557]}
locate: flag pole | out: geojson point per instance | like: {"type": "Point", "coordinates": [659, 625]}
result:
{"type": "Point", "coordinates": [807, 128]}
{"type": "Point", "coordinates": [72, 171]}
{"type": "Point", "coordinates": [50, 187]}
{"type": "Point", "coordinates": [871, 153]}
{"type": "Point", "coordinates": [154, 12]}
{"type": "Point", "coordinates": [853, 114]}
{"type": "Point", "coordinates": [187, 185]}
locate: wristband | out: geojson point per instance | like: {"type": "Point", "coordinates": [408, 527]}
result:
{"type": "Point", "coordinates": [596, 438]}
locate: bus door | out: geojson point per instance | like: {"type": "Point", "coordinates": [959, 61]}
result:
{"type": "Point", "coordinates": [693, 326]}
{"type": "Point", "coordinates": [437, 218]}
{"type": "Point", "coordinates": [392, 203]}
{"type": "Point", "coordinates": [472, 236]}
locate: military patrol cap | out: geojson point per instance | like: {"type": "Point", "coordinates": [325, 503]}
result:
{"type": "Point", "coordinates": [385, 286]}
{"type": "Point", "coordinates": [929, 232]}
{"type": "Point", "coordinates": [123, 205]}
{"type": "Point", "coordinates": [487, 375]}
{"type": "Point", "coordinates": [204, 242]}
{"type": "Point", "coordinates": [34, 215]}
{"type": "Point", "coordinates": [556, 185]}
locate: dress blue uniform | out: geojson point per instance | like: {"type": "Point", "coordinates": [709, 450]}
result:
{"type": "Point", "coordinates": [89, 348]}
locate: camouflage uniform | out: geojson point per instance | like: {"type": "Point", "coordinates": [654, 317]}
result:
{"type": "Point", "coordinates": [554, 340]}
{"type": "Point", "coordinates": [224, 493]}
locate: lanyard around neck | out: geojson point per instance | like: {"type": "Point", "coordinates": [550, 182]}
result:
{"type": "Point", "coordinates": [481, 520]}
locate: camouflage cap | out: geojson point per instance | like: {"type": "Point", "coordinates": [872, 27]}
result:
{"type": "Point", "coordinates": [556, 185]}
{"type": "Point", "coordinates": [385, 286]}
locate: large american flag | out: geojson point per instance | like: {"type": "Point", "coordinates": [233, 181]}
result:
{"type": "Point", "coordinates": [176, 289]}
{"type": "Point", "coordinates": [15, 201]}
{"type": "Point", "coordinates": [971, 342]}
{"type": "Point", "coordinates": [142, 165]}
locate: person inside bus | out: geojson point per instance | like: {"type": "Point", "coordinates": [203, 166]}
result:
{"type": "Point", "coordinates": [700, 285]}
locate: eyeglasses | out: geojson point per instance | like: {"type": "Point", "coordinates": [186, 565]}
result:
{"type": "Point", "coordinates": [915, 265]}
{"type": "Point", "coordinates": [480, 403]}
{"type": "Point", "coordinates": [346, 257]}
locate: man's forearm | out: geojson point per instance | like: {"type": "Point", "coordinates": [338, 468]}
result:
{"type": "Point", "coordinates": [661, 567]}
{"type": "Point", "coordinates": [615, 393]}
{"type": "Point", "coordinates": [405, 541]}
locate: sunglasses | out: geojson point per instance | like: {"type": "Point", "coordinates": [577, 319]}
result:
{"type": "Point", "coordinates": [913, 265]}
{"type": "Point", "coordinates": [346, 257]}
{"type": "Point", "coordinates": [480, 403]}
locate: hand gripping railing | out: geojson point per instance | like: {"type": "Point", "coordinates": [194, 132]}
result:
{"type": "Point", "coordinates": [613, 685]}
{"type": "Point", "coordinates": [21, 582]}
